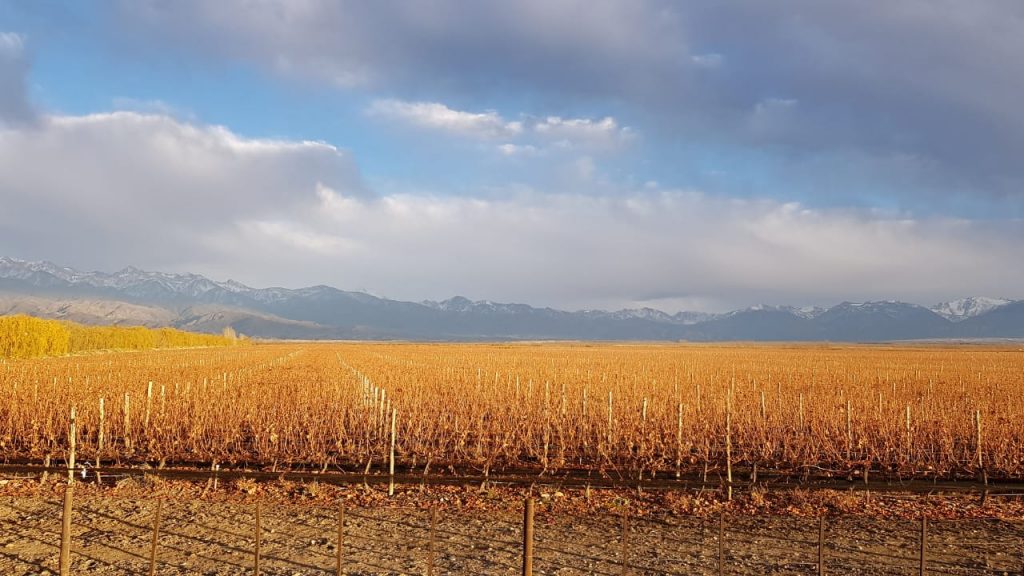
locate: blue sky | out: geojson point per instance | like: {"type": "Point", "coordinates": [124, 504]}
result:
{"type": "Point", "coordinates": [576, 154]}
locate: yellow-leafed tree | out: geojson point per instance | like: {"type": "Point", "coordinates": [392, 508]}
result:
{"type": "Point", "coordinates": [27, 337]}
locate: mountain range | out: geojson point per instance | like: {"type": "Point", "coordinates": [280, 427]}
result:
{"type": "Point", "coordinates": [194, 302]}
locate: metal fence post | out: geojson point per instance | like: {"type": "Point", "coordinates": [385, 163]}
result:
{"type": "Point", "coordinates": [341, 537]}
{"type": "Point", "coordinates": [528, 538]}
{"type": "Point", "coordinates": [65, 533]}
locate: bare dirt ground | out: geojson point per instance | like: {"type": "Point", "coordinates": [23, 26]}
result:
{"type": "Point", "coordinates": [213, 532]}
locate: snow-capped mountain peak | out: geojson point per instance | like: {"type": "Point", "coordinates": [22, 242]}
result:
{"type": "Point", "coordinates": [131, 280]}
{"type": "Point", "coordinates": [332, 312]}
{"type": "Point", "coordinates": [463, 305]}
{"type": "Point", "coordinates": [641, 314]}
{"type": "Point", "coordinates": [964, 308]}
{"type": "Point", "coordinates": [809, 311]}
{"type": "Point", "coordinates": [235, 286]}
{"type": "Point", "coordinates": [761, 308]}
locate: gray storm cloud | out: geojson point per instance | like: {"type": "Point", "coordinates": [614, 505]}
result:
{"type": "Point", "coordinates": [924, 92]}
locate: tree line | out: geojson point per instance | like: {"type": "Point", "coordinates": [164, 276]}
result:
{"type": "Point", "coordinates": [24, 336]}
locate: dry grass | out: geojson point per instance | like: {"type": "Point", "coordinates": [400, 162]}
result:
{"type": "Point", "coordinates": [629, 410]}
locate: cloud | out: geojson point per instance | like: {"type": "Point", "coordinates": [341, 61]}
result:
{"type": "Point", "coordinates": [651, 246]}
{"type": "Point", "coordinates": [535, 135]}
{"type": "Point", "coordinates": [106, 190]}
{"type": "Point", "coordinates": [881, 83]}
{"type": "Point", "coordinates": [602, 134]}
{"type": "Point", "coordinates": [396, 43]}
{"type": "Point", "coordinates": [14, 104]}
{"type": "Point", "coordinates": [518, 150]}
{"type": "Point", "coordinates": [886, 84]}
{"type": "Point", "coordinates": [437, 116]}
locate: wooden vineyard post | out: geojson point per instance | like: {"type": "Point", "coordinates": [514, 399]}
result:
{"type": "Point", "coordinates": [528, 537]}
{"type": "Point", "coordinates": [583, 403]}
{"type": "Point", "coordinates": [339, 551]}
{"type": "Point", "coordinates": [625, 542]}
{"type": "Point", "coordinates": [924, 545]}
{"type": "Point", "coordinates": [381, 412]}
{"type": "Point", "coordinates": [100, 439]}
{"type": "Point", "coordinates": [127, 433]}
{"type": "Point", "coordinates": [801, 410]}
{"type": "Point", "coordinates": [728, 445]}
{"type": "Point", "coordinates": [341, 538]}
{"type": "Point", "coordinates": [256, 562]}
{"type": "Point", "coordinates": [432, 550]}
{"type": "Point", "coordinates": [721, 544]}
{"type": "Point", "coordinates": [149, 409]}
{"type": "Point", "coordinates": [679, 440]}
{"type": "Point", "coordinates": [849, 431]}
{"type": "Point", "coordinates": [977, 426]}
{"type": "Point", "coordinates": [65, 533]}
{"type": "Point", "coordinates": [547, 422]}
{"type": "Point", "coordinates": [156, 536]}
{"type": "Point", "coordinates": [391, 459]}
{"type": "Point", "coordinates": [821, 546]}
{"type": "Point", "coordinates": [610, 419]}
{"type": "Point", "coordinates": [910, 442]}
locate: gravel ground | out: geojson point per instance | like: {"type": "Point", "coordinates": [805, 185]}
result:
{"type": "Point", "coordinates": [112, 535]}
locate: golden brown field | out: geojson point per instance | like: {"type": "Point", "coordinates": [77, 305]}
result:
{"type": "Point", "coordinates": [627, 411]}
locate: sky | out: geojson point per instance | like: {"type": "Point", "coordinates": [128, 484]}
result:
{"type": "Point", "coordinates": [569, 153]}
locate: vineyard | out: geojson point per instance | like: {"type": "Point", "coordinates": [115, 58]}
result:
{"type": "Point", "coordinates": [623, 411]}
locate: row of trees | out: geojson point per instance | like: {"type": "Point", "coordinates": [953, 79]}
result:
{"type": "Point", "coordinates": [27, 337]}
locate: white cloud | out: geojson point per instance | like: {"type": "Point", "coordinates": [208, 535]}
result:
{"type": "Point", "coordinates": [107, 190]}
{"type": "Point", "coordinates": [651, 246]}
{"type": "Point", "coordinates": [512, 150]}
{"type": "Point", "coordinates": [586, 132]}
{"type": "Point", "coordinates": [533, 135]}
{"type": "Point", "coordinates": [581, 250]}
{"type": "Point", "coordinates": [437, 116]}
{"type": "Point", "coordinates": [295, 236]}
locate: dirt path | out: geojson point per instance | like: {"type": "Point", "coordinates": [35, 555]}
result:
{"type": "Point", "coordinates": [112, 537]}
